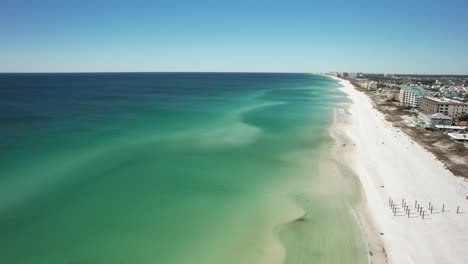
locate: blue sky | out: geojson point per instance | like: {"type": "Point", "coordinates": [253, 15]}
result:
{"type": "Point", "coordinates": [399, 36]}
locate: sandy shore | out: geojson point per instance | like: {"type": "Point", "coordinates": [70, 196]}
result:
{"type": "Point", "coordinates": [389, 164]}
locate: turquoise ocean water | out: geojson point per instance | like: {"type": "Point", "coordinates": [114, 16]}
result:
{"type": "Point", "coordinates": [130, 168]}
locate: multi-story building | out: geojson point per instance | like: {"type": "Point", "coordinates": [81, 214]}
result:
{"type": "Point", "coordinates": [342, 74]}
{"type": "Point", "coordinates": [446, 106]}
{"type": "Point", "coordinates": [391, 94]}
{"type": "Point", "coordinates": [432, 120]}
{"type": "Point", "coordinates": [411, 95]}
{"type": "Point", "coordinates": [369, 85]}
{"type": "Point", "coordinates": [372, 85]}
{"type": "Point", "coordinates": [352, 75]}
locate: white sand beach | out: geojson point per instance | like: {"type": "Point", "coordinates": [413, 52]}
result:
{"type": "Point", "coordinates": [389, 164]}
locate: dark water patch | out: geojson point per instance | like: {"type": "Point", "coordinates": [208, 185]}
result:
{"type": "Point", "coordinates": [12, 119]}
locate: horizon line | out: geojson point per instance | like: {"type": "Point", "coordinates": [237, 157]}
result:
{"type": "Point", "coordinates": [277, 72]}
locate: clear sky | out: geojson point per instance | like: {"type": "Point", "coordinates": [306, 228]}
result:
{"type": "Point", "coordinates": [399, 36]}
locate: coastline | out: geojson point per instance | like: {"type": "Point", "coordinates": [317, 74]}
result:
{"type": "Point", "coordinates": [389, 164]}
{"type": "Point", "coordinates": [342, 153]}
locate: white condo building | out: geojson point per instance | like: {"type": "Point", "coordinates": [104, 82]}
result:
{"type": "Point", "coordinates": [411, 96]}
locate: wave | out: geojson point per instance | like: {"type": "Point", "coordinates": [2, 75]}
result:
{"type": "Point", "coordinates": [231, 130]}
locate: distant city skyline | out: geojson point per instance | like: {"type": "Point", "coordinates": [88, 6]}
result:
{"type": "Point", "coordinates": [401, 37]}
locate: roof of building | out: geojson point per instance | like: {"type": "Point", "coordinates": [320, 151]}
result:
{"type": "Point", "coordinates": [417, 90]}
{"type": "Point", "coordinates": [442, 100]}
{"type": "Point", "coordinates": [439, 116]}
{"type": "Point", "coordinates": [452, 95]}
{"type": "Point", "coordinates": [458, 136]}
{"type": "Point", "coordinates": [451, 127]}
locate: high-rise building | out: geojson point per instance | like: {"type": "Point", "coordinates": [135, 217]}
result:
{"type": "Point", "coordinates": [446, 106]}
{"type": "Point", "coordinates": [411, 95]}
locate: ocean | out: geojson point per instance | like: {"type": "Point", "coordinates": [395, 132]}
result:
{"type": "Point", "coordinates": [140, 168]}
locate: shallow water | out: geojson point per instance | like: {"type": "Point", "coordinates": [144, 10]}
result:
{"type": "Point", "coordinates": [172, 168]}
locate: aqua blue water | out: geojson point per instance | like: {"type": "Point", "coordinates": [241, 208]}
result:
{"type": "Point", "coordinates": [170, 168]}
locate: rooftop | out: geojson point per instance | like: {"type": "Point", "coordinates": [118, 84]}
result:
{"type": "Point", "coordinates": [458, 136]}
{"type": "Point", "coordinates": [438, 116]}
{"type": "Point", "coordinates": [451, 127]}
{"type": "Point", "coordinates": [442, 100]}
{"type": "Point", "coordinates": [417, 90]}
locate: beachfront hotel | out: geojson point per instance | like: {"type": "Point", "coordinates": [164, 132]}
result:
{"type": "Point", "coordinates": [446, 106]}
{"type": "Point", "coordinates": [411, 95]}
{"type": "Point", "coordinates": [369, 85]}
